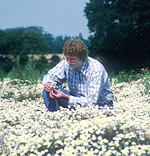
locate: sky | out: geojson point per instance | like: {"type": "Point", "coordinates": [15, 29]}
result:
{"type": "Point", "coordinates": [57, 17]}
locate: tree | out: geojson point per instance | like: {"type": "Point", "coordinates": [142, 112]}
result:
{"type": "Point", "coordinates": [42, 64]}
{"type": "Point", "coordinates": [3, 47]}
{"type": "Point", "coordinates": [34, 42]}
{"type": "Point", "coordinates": [13, 41]}
{"type": "Point", "coordinates": [49, 39]}
{"type": "Point", "coordinates": [120, 30]}
{"type": "Point", "coordinates": [59, 43]}
{"type": "Point", "coordinates": [22, 41]}
{"type": "Point", "coordinates": [6, 64]}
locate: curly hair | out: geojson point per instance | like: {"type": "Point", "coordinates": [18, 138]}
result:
{"type": "Point", "coordinates": [75, 47]}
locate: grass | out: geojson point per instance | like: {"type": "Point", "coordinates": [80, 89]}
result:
{"type": "Point", "coordinates": [27, 74]}
{"type": "Point", "coordinates": [130, 76]}
{"type": "Point", "coordinates": [147, 79]}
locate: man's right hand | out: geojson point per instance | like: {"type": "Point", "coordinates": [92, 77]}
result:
{"type": "Point", "coordinates": [48, 87]}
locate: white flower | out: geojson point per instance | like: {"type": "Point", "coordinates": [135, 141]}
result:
{"type": "Point", "coordinates": [125, 151]}
{"type": "Point", "coordinates": [94, 137]}
{"type": "Point", "coordinates": [26, 126]}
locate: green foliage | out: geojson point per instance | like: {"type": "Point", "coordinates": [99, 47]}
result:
{"type": "Point", "coordinates": [22, 60]}
{"type": "Point", "coordinates": [29, 72]}
{"type": "Point", "coordinates": [54, 60]}
{"type": "Point", "coordinates": [25, 68]}
{"type": "Point", "coordinates": [19, 41]}
{"type": "Point", "coordinates": [123, 76]}
{"type": "Point", "coordinates": [130, 76]}
{"type": "Point", "coordinates": [2, 75]}
{"type": "Point", "coordinates": [30, 40]}
{"type": "Point", "coordinates": [13, 41]}
{"type": "Point", "coordinates": [34, 42]}
{"type": "Point", "coordinates": [59, 43]}
{"type": "Point", "coordinates": [147, 82]}
{"type": "Point", "coordinates": [146, 74]}
{"type": "Point", "coordinates": [120, 32]}
{"type": "Point", "coordinates": [6, 63]}
{"type": "Point", "coordinates": [23, 41]}
{"type": "Point", "coordinates": [42, 64]}
{"type": "Point", "coordinates": [49, 39]}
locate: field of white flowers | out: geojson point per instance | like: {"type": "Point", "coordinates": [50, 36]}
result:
{"type": "Point", "coordinates": [26, 128]}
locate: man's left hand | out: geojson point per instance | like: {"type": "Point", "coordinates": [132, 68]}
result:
{"type": "Point", "coordinates": [57, 94]}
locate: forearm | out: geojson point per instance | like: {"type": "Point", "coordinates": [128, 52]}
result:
{"type": "Point", "coordinates": [56, 74]}
{"type": "Point", "coordinates": [81, 101]}
{"type": "Point", "coordinates": [47, 78]}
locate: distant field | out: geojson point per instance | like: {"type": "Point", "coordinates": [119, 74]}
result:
{"type": "Point", "coordinates": [48, 56]}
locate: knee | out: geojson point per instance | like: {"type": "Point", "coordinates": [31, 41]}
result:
{"type": "Point", "coordinates": [45, 93]}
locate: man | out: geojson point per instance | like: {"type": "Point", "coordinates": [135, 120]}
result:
{"type": "Point", "coordinates": [86, 77]}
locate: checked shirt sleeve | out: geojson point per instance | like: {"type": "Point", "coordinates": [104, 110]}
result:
{"type": "Point", "coordinates": [56, 74]}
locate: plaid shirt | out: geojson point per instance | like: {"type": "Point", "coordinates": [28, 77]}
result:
{"type": "Point", "coordinates": [88, 86]}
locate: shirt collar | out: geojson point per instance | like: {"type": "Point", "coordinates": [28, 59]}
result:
{"type": "Point", "coordinates": [84, 67]}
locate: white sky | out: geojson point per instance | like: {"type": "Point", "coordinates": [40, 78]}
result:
{"type": "Point", "coordinates": [57, 17]}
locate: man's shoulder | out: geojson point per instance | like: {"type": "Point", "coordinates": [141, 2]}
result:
{"type": "Point", "coordinates": [94, 63]}
{"type": "Point", "coordinates": [96, 67]}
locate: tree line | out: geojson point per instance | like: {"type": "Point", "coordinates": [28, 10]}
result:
{"type": "Point", "coordinates": [19, 42]}
{"type": "Point", "coordinates": [31, 40]}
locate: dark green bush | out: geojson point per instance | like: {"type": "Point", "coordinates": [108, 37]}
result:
{"type": "Point", "coordinates": [54, 60]}
{"type": "Point", "coordinates": [6, 63]}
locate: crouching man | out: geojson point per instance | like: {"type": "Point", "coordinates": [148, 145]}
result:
{"type": "Point", "coordinates": [86, 77]}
